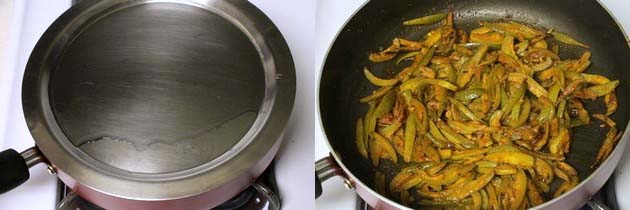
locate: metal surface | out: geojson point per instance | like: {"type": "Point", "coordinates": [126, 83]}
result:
{"type": "Point", "coordinates": [128, 98]}
{"type": "Point", "coordinates": [32, 156]}
{"type": "Point", "coordinates": [72, 201]}
{"type": "Point", "coordinates": [262, 193]}
{"type": "Point", "coordinates": [326, 168]}
{"type": "Point", "coordinates": [268, 194]}
{"type": "Point", "coordinates": [209, 199]}
{"type": "Point", "coordinates": [340, 90]}
{"type": "Point", "coordinates": [151, 88]}
{"type": "Point", "coordinates": [248, 199]}
{"type": "Point", "coordinates": [597, 205]}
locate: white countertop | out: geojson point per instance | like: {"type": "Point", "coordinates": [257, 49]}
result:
{"type": "Point", "coordinates": [331, 17]}
{"type": "Point", "coordinates": [28, 22]}
{"type": "Point", "coordinates": [294, 168]}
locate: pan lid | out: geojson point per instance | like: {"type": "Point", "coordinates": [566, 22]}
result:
{"type": "Point", "coordinates": [135, 92]}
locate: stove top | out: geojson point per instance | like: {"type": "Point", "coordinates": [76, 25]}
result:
{"type": "Point", "coordinates": [263, 194]}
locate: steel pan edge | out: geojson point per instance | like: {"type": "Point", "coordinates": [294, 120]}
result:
{"type": "Point", "coordinates": [245, 166]}
{"type": "Point", "coordinates": [201, 201]}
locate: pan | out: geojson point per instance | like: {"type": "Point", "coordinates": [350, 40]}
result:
{"type": "Point", "coordinates": [155, 104]}
{"type": "Point", "coordinates": [376, 23]}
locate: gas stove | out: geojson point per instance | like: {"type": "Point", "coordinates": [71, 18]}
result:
{"type": "Point", "coordinates": [330, 18]}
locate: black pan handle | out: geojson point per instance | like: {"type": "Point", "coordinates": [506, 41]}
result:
{"type": "Point", "coordinates": [326, 168]}
{"type": "Point", "coordinates": [318, 186]}
{"type": "Point", "coordinates": [14, 167]}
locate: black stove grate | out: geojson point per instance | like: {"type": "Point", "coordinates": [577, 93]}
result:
{"type": "Point", "coordinates": [254, 197]}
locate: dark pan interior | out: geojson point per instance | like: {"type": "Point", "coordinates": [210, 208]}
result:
{"type": "Point", "coordinates": [378, 22]}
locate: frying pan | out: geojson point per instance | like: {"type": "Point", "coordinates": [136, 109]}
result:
{"type": "Point", "coordinates": [376, 23]}
{"type": "Point", "coordinates": [142, 104]}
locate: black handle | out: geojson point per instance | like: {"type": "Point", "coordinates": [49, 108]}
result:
{"type": "Point", "coordinates": [13, 170]}
{"type": "Point", "coordinates": [318, 187]}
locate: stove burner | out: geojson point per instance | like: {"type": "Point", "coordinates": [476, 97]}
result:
{"type": "Point", "coordinates": [262, 193]}
{"type": "Point", "coordinates": [239, 201]}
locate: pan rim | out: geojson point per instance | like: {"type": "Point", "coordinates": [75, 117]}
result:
{"type": "Point", "coordinates": [616, 153]}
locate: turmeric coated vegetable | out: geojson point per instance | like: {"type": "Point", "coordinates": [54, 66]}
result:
{"type": "Point", "coordinates": [514, 158]}
{"type": "Point", "coordinates": [377, 94]}
{"type": "Point", "coordinates": [384, 149]}
{"type": "Point", "coordinates": [480, 119]}
{"type": "Point", "coordinates": [469, 67]}
{"type": "Point", "coordinates": [415, 83]}
{"type": "Point", "coordinates": [410, 137]}
{"type": "Point", "coordinates": [514, 29]}
{"type": "Point", "coordinates": [360, 141]}
{"type": "Point", "coordinates": [602, 90]}
{"type": "Point", "coordinates": [561, 37]}
{"type": "Point", "coordinates": [607, 146]}
{"type": "Point", "coordinates": [426, 20]}
{"type": "Point", "coordinates": [611, 103]}
{"type": "Point", "coordinates": [407, 56]}
{"type": "Point", "coordinates": [378, 81]}
{"type": "Point", "coordinates": [519, 187]}
{"type": "Point", "coordinates": [468, 95]}
{"type": "Point", "coordinates": [533, 194]}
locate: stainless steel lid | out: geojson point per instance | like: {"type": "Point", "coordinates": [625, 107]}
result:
{"type": "Point", "coordinates": [124, 94]}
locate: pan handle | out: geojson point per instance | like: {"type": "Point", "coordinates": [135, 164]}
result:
{"type": "Point", "coordinates": [14, 167]}
{"type": "Point", "coordinates": [596, 204]}
{"type": "Point", "coordinates": [326, 168]}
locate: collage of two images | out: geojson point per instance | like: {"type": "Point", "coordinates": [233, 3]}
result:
{"type": "Point", "coordinates": [314, 104]}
